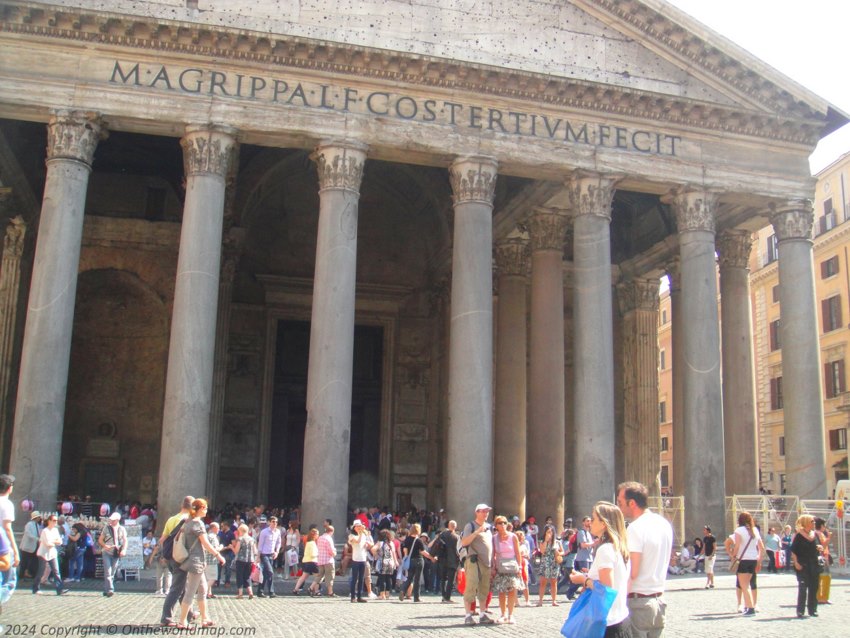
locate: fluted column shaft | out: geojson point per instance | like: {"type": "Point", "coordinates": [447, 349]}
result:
{"type": "Point", "coordinates": [470, 451]}
{"type": "Point", "coordinates": [43, 379]}
{"type": "Point", "coordinates": [639, 305]}
{"type": "Point", "coordinates": [207, 156]}
{"type": "Point", "coordinates": [511, 362]}
{"type": "Point", "coordinates": [593, 474]}
{"type": "Point", "coordinates": [805, 455]}
{"type": "Point", "coordinates": [678, 358]}
{"type": "Point", "coordinates": [704, 482]}
{"type": "Point", "coordinates": [327, 438]}
{"type": "Point", "coordinates": [546, 435]}
{"type": "Point", "coordinates": [740, 432]}
{"type": "Point", "coordinates": [10, 281]}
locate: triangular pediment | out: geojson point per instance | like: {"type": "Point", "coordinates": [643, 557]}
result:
{"type": "Point", "coordinates": [645, 46]}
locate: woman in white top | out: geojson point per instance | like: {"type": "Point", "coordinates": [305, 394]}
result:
{"type": "Point", "coordinates": [610, 564]}
{"type": "Point", "coordinates": [749, 550]}
{"type": "Point", "coordinates": [48, 556]}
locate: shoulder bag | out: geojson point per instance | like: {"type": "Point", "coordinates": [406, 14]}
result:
{"type": "Point", "coordinates": [733, 565]}
{"type": "Point", "coordinates": [505, 565]}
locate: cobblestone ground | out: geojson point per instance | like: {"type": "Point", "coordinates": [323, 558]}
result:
{"type": "Point", "coordinates": [692, 611]}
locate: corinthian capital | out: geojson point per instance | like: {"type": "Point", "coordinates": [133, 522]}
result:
{"type": "Point", "coordinates": [208, 149]}
{"type": "Point", "coordinates": [638, 294]}
{"type": "Point", "coordinates": [74, 135]}
{"type": "Point", "coordinates": [592, 193]}
{"type": "Point", "coordinates": [733, 248]}
{"type": "Point", "coordinates": [13, 242]}
{"type": "Point", "coordinates": [547, 228]}
{"type": "Point", "coordinates": [695, 209]}
{"type": "Point", "coordinates": [473, 179]}
{"type": "Point", "coordinates": [512, 256]}
{"type": "Point", "coordinates": [792, 220]}
{"type": "Point", "coordinates": [340, 165]}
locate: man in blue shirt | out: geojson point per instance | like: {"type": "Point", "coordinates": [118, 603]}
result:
{"type": "Point", "coordinates": [584, 555]}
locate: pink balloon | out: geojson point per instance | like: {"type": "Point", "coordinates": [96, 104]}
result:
{"type": "Point", "coordinates": [27, 505]}
{"type": "Point", "coordinates": [104, 509]}
{"type": "Point", "coordinates": [67, 507]}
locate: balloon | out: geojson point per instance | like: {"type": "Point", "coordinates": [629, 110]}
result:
{"type": "Point", "coordinates": [67, 507]}
{"type": "Point", "coordinates": [105, 509]}
{"type": "Point", "coordinates": [27, 505]}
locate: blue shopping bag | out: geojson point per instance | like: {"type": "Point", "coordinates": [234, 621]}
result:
{"type": "Point", "coordinates": [589, 613]}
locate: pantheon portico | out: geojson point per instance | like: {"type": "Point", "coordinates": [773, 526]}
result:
{"type": "Point", "coordinates": [408, 256]}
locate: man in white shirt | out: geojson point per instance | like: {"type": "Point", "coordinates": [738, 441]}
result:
{"type": "Point", "coordinates": [650, 538]}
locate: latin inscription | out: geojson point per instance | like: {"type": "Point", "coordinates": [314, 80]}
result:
{"type": "Point", "coordinates": [201, 81]}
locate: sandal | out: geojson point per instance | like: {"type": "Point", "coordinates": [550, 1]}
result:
{"type": "Point", "coordinates": [207, 623]}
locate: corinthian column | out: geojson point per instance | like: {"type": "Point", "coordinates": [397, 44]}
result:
{"type": "Point", "coordinates": [704, 479]}
{"type": "Point", "coordinates": [546, 436]}
{"type": "Point", "coordinates": [593, 475]}
{"type": "Point", "coordinates": [639, 306]}
{"type": "Point", "coordinates": [740, 433]}
{"type": "Point", "coordinates": [470, 444]}
{"type": "Point", "coordinates": [327, 438]}
{"type": "Point", "coordinates": [207, 157]}
{"type": "Point", "coordinates": [510, 444]}
{"type": "Point", "coordinates": [805, 457]}
{"type": "Point", "coordinates": [43, 380]}
{"type": "Point", "coordinates": [10, 282]}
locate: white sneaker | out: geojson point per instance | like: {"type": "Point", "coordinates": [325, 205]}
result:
{"type": "Point", "coordinates": [372, 595]}
{"type": "Point", "coordinates": [469, 620]}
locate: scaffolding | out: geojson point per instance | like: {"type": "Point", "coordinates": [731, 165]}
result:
{"type": "Point", "coordinates": [673, 509]}
{"type": "Point", "coordinates": [778, 511]}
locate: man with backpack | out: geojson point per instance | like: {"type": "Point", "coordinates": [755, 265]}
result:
{"type": "Point", "coordinates": [178, 576]}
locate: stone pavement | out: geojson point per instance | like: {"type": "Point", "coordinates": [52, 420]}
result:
{"type": "Point", "coordinates": [692, 611]}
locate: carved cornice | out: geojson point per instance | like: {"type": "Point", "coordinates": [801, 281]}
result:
{"type": "Point", "coordinates": [74, 135]}
{"type": "Point", "coordinates": [473, 179]}
{"type": "Point", "coordinates": [733, 248]}
{"type": "Point", "coordinates": [340, 165]}
{"type": "Point", "coordinates": [700, 53]}
{"type": "Point", "coordinates": [795, 121]}
{"type": "Point", "coordinates": [695, 210]}
{"type": "Point", "coordinates": [512, 256]}
{"type": "Point", "coordinates": [547, 228]}
{"type": "Point", "coordinates": [208, 149]}
{"type": "Point", "coordinates": [592, 194]}
{"type": "Point", "coordinates": [13, 242]}
{"type": "Point", "coordinates": [792, 220]}
{"type": "Point", "coordinates": [638, 294]}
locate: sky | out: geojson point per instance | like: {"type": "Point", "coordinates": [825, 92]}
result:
{"type": "Point", "coordinates": [807, 41]}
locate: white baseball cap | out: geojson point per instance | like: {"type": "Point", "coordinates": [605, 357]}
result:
{"type": "Point", "coordinates": [482, 506]}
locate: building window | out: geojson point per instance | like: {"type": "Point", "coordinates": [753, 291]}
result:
{"type": "Point", "coordinates": [831, 313]}
{"type": "Point", "coordinates": [662, 356]}
{"type": "Point", "coordinates": [664, 317]}
{"type": "Point", "coordinates": [665, 444]}
{"type": "Point", "coordinates": [833, 377]}
{"type": "Point", "coordinates": [665, 476]}
{"type": "Point", "coordinates": [781, 446]}
{"type": "Point", "coordinates": [775, 294]}
{"type": "Point", "coordinates": [782, 484]}
{"type": "Point", "coordinates": [662, 412]}
{"type": "Point", "coordinates": [772, 249]}
{"type": "Point", "coordinates": [838, 439]}
{"type": "Point", "coordinates": [775, 343]}
{"type": "Point", "coordinates": [776, 393]}
{"type": "Point", "coordinates": [829, 267]}
{"type": "Point", "coordinates": [827, 222]}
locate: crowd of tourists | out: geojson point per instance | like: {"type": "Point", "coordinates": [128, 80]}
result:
{"type": "Point", "coordinates": [388, 554]}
